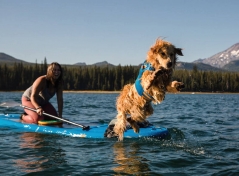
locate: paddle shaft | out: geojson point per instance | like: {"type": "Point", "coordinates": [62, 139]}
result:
{"type": "Point", "coordinates": [58, 118]}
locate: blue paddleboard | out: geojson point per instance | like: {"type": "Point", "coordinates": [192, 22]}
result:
{"type": "Point", "coordinates": [95, 131]}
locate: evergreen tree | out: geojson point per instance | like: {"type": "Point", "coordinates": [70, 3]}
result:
{"type": "Point", "coordinates": [19, 77]}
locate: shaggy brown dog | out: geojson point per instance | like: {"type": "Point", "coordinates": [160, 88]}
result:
{"type": "Point", "coordinates": [153, 81]}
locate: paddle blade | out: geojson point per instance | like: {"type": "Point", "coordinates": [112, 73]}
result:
{"type": "Point", "coordinates": [9, 104]}
{"type": "Point", "coordinates": [86, 128]}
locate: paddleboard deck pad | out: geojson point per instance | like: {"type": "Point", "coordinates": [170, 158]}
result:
{"type": "Point", "coordinates": [95, 131]}
{"type": "Point", "coordinates": [50, 122]}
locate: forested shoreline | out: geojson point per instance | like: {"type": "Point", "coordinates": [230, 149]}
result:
{"type": "Point", "coordinates": [18, 77]}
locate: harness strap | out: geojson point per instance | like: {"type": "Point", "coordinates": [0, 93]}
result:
{"type": "Point", "coordinates": [145, 66]}
{"type": "Point", "coordinates": [148, 97]}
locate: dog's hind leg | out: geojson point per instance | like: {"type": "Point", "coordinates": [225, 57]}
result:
{"type": "Point", "coordinates": [133, 124]}
{"type": "Point", "coordinates": [120, 125]}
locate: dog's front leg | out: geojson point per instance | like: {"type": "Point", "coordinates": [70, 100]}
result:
{"type": "Point", "coordinates": [175, 86]}
{"type": "Point", "coordinates": [149, 77]}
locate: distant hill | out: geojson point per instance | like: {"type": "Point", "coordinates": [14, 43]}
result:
{"type": "Point", "coordinates": [98, 64]}
{"type": "Point", "coordinates": [4, 58]}
{"type": "Point", "coordinates": [104, 63]}
{"type": "Point", "coordinates": [232, 66]}
{"type": "Point", "coordinates": [227, 60]}
{"type": "Point", "coordinates": [9, 59]}
{"type": "Point", "coordinates": [200, 66]}
{"type": "Point", "coordinates": [223, 58]}
{"type": "Point", "coordinates": [80, 63]}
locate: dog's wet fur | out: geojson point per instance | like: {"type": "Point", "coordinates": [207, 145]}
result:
{"type": "Point", "coordinates": [162, 56]}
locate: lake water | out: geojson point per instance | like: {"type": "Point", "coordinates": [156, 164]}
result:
{"type": "Point", "coordinates": [204, 140]}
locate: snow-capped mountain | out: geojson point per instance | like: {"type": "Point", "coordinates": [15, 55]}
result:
{"type": "Point", "coordinates": [222, 58]}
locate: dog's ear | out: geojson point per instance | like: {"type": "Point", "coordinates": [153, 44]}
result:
{"type": "Point", "coordinates": [179, 51]}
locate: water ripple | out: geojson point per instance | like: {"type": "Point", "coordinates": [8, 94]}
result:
{"type": "Point", "coordinates": [203, 139]}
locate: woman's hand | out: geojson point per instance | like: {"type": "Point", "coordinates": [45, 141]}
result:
{"type": "Point", "coordinates": [39, 111]}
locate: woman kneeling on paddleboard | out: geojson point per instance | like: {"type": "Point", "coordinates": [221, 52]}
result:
{"type": "Point", "coordinates": [42, 90]}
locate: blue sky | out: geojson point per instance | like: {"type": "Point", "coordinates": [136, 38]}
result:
{"type": "Point", "coordinates": [119, 32]}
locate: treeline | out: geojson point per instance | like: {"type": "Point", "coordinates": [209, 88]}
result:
{"type": "Point", "coordinates": [19, 77]}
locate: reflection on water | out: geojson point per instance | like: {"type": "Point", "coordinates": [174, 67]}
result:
{"type": "Point", "coordinates": [127, 159]}
{"type": "Point", "coordinates": [31, 162]}
{"type": "Point", "coordinates": [31, 140]}
{"type": "Point", "coordinates": [37, 153]}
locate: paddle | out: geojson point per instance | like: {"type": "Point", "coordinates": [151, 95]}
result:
{"type": "Point", "coordinates": [13, 104]}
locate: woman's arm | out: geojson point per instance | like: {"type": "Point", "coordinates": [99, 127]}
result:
{"type": "Point", "coordinates": [59, 95]}
{"type": "Point", "coordinates": [37, 86]}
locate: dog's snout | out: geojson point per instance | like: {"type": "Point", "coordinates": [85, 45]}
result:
{"type": "Point", "coordinates": [169, 64]}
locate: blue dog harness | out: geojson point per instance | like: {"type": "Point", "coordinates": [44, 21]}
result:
{"type": "Point", "coordinates": [145, 66]}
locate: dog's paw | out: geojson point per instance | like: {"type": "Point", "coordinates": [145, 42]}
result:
{"type": "Point", "coordinates": [121, 137]}
{"type": "Point", "coordinates": [158, 72]}
{"type": "Point", "coordinates": [136, 128]}
{"type": "Point", "coordinates": [178, 85]}
{"type": "Point", "coordinates": [152, 77]}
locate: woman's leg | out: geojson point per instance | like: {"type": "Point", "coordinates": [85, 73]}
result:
{"type": "Point", "coordinates": [49, 109]}
{"type": "Point", "coordinates": [31, 117]}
